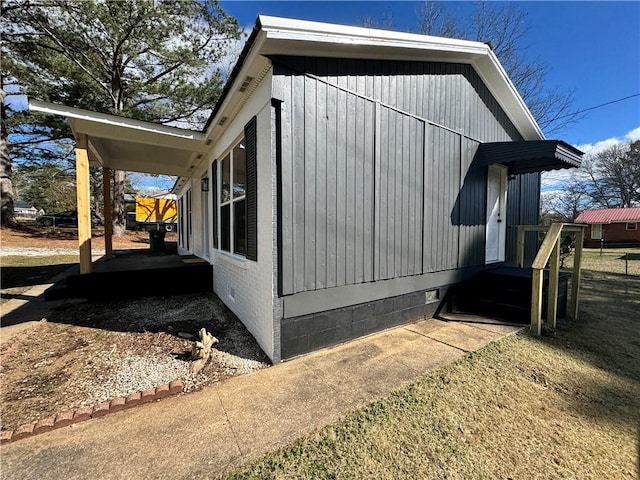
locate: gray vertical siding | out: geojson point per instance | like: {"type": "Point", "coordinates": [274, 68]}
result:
{"type": "Point", "coordinates": [470, 209]}
{"type": "Point", "coordinates": [327, 170]}
{"type": "Point", "coordinates": [399, 192]}
{"type": "Point", "coordinates": [452, 95]}
{"type": "Point", "coordinates": [521, 210]}
{"type": "Point", "coordinates": [370, 190]}
{"type": "Point", "coordinates": [443, 185]}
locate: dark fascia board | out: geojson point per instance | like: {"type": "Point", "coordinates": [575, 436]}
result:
{"type": "Point", "coordinates": [531, 156]}
{"type": "Point", "coordinates": [234, 73]}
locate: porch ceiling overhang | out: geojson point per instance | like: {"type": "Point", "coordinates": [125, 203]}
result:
{"type": "Point", "coordinates": [125, 144]}
{"type": "Point", "coordinates": [531, 156]}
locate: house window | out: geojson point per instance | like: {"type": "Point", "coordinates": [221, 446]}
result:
{"type": "Point", "coordinates": [235, 197]}
{"type": "Point", "coordinates": [181, 222]}
{"type": "Point", "coordinates": [632, 226]}
{"type": "Point", "coordinates": [189, 229]}
{"type": "Point", "coordinates": [233, 209]}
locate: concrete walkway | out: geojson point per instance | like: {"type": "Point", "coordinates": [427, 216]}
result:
{"type": "Point", "coordinates": [227, 425]}
{"type": "Point", "coordinates": [20, 314]}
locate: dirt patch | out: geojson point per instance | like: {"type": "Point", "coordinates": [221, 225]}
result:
{"type": "Point", "coordinates": [34, 236]}
{"type": "Point", "coordinates": [88, 353]}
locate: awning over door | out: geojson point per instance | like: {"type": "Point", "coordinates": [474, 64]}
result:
{"type": "Point", "coordinates": [530, 156]}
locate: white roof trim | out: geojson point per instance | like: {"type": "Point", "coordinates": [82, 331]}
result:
{"type": "Point", "coordinates": [122, 143]}
{"type": "Point", "coordinates": [227, 101]}
{"type": "Point", "coordinates": [291, 29]}
{"type": "Point", "coordinates": [113, 120]}
{"type": "Point", "coordinates": [289, 36]}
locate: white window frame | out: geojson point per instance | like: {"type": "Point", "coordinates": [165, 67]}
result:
{"type": "Point", "coordinates": [635, 226]}
{"type": "Point", "coordinates": [231, 201]}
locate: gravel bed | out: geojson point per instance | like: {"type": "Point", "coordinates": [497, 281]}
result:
{"type": "Point", "coordinates": [133, 372]}
{"type": "Point", "coordinates": [87, 353]}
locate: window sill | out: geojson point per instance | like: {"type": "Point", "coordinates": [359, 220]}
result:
{"type": "Point", "coordinates": [232, 259]}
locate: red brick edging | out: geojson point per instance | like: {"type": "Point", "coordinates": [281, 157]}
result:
{"type": "Point", "coordinates": [85, 413]}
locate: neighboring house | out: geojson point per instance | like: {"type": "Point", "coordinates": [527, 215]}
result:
{"type": "Point", "coordinates": [23, 209]}
{"type": "Point", "coordinates": [347, 177]}
{"type": "Point", "coordinates": [611, 226]}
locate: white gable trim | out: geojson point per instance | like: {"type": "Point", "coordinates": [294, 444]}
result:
{"type": "Point", "coordinates": [113, 120]}
{"type": "Point", "coordinates": [125, 144]}
{"type": "Point", "coordinates": [282, 36]}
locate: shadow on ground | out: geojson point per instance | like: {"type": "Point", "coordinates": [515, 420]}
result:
{"type": "Point", "coordinates": [11, 277]}
{"type": "Point", "coordinates": [178, 315]}
{"type": "Point", "coordinates": [37, 231]}
{"type": "Point", "coordinates": [605, 336]}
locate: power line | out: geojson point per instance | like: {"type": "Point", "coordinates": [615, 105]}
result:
{"type": "Point", "coordinates": [599, 106]}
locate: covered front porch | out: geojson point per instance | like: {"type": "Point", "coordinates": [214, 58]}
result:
{"type": "Point", "coordinates": [115, 143]}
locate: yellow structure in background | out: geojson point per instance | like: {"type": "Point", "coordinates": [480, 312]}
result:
{"type": "Point", "coordinates": [156, 210]}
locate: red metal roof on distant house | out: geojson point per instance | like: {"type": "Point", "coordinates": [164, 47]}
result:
{"type": "Point", "coordinates": [609, 215]}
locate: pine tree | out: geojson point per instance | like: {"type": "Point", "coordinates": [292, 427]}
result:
{"type": "Point", "coordinates": [143, 59]}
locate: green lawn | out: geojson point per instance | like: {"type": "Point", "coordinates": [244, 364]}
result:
{"type": "Point", "coordinates": [524, 407]}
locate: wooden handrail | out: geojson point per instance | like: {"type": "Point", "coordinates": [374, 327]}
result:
{"type": "Point", "coordinates": [567, 227]}
{"type": "Point", "coordinates": [550, 245]}
{"type": "Point", "coordinates": [550, 240]}
{"type": "Point", "coordinates": [549, 252]}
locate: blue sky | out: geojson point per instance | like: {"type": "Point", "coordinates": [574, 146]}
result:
{"type": "Point", "coordinates": [590, 47]}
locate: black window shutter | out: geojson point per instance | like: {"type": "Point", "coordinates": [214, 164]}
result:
{"type": "Point", "coordinates": [252, 189]}
{"type": "Point", "coordinates": [214, 208]}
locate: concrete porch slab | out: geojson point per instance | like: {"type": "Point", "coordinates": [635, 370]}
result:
{"type": "Point", "coordinates": [455, 334]}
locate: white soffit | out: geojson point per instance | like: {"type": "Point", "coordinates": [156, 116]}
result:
{"type": "Point", "coordinates": [140, 157]}
{"type": "Point", "coordinates": [252, 66]}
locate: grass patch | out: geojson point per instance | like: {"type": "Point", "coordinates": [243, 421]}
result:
{"type": "Point", "coordinates": [524, 407]}
{"type": "Point", "coordinates": [611, 260]}
{"type": "Point", "coordinates": [19, 273]}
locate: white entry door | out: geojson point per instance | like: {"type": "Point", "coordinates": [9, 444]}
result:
{"type": "Point", "coordinates": [496, 213]}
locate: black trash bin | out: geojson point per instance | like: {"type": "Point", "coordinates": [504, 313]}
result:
{"type": "Point", "coordinates": [156, 240]}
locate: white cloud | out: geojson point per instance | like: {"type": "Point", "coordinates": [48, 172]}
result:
{"type": "Point", "coordinates": [593, 148]}
{"type": "Point", "coordinates": [231, 53]}
{"type": "Point", "coordinates": [556, 179]}
{"type": "Point", "coordinates": [633, 135]}
{"type": "Point", "coordinates": [151, 184]}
